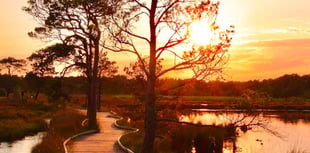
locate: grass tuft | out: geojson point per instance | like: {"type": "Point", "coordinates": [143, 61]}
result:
{"type": "Point", "coordinates": [20, 120]}
{"type": "Point", "coordinates": [64, 124]}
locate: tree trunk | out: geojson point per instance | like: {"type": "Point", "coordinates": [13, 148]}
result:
{"type": "Point", "coordinates": [92, 121]}
{"type": "Point", "coordinates": [150, 118]}
{"type": "Point", "coordinates": [22, 95]}
{"type": "Point", "coordinates": [88, 96]}
{"type": "Point", "coordinates": [89, 80]}
{"type": "Point", "coordinates": [150, 112]}
{"type": "Point", "coordinates": [99, 94]}
{"type": "Point", "coordinates": [36, 95]}
{"type": "Point", "coordinates": [92, 112]}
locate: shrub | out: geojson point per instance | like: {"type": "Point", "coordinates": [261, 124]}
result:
{"type": "Point", "coordinates": [64, 124]}
{"type": "Point", "coordinates": [2, 92]}
{"type": "Point", "coordinates": [17, 121]}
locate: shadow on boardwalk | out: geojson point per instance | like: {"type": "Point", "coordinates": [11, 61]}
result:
{"type": "Point", "coordinates": [103, 142]}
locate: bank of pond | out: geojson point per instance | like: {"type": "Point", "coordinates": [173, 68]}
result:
{"type": "Point", "coordinates": [58, 123]}
{"type": "Point", "coordinates": [197, 131]}
{"type": "Point", "coordinates": [181, 128]}
{"type": "Point", "coordinates": [24, 145]}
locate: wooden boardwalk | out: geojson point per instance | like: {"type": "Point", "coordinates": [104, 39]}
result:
{"type": "Point", "coordinates": [103, 142]}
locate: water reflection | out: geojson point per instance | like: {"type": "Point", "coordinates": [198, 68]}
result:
{"type": "Point", "coordinates": [222, 119]}
{"type": "Point", "coordinates": [274, 135]}
{"type": "Point", "coordinates": [22, 146]}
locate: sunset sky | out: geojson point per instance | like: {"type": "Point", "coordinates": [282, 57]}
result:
{"type": "Point", "coordinates": [272, 36]}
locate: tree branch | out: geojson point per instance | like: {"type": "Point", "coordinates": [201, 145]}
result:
{"type": "Point", "coordinates": [165, 11]}
{"type": "Point", "coordinates": [142, 5]}
{"type": "Point", "coordinates": [128, 32]}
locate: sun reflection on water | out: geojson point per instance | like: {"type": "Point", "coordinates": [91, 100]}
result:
{"type": "Point", "coordinates": [206, 119]}
{"type": "Point", "coordinates": [256, 140]}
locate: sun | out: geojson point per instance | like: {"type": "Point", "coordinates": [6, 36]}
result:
{"type": "Point", "coordinates": [200, 33]}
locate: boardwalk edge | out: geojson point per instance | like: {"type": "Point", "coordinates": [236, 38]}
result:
{"type": "Point", "coordinates": [77, 135]}
{"type": "Point", "coordinates": [133, 130]}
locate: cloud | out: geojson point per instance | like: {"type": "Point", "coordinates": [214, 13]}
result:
{"type": "Point", "coordinates": [279, 43]}
{"type": "Point", "coordinates": [275, 30]}
{"type": "Point", "coordinates": [299, 30]}
{"type": "Point", "coordinates": [289, 30]}
{"type": "Point", "coordinates": [265, 59]}
{"type": "Point", "coordinates": [296, 21]}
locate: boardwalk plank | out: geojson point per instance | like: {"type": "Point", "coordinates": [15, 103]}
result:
{"type": "Point", "coordinates": [102, 142]}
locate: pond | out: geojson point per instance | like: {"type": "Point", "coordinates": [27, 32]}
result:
{"type": "Point", "coordinates": [22, 146]}
{"type": "Point", "coordinates": [269, 132]}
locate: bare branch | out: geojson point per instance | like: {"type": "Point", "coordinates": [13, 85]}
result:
{"type": "Point", "coordinates": [142, 5]}
{"type": "Point", "coordinates": [167, 8]}
{"type": "Point", "coordinates": [128, 32]}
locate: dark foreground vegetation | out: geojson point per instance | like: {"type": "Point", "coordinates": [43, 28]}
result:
{"type": "Point", "coordinates": [18, 120]}
{"type": "Point", "coordinates": [65, 123]}
{"type": "Point", "coordinates": [24, 108]}
{"type": "Point", "coordinates": [175, 136]}
{"type": "Point", "coordinates": [58, 120]}
{"type": "Point", "coordinates": [170, 134]}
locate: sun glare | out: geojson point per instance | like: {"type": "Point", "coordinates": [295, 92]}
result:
{"type": "Point", "coordinates": [200, 33]}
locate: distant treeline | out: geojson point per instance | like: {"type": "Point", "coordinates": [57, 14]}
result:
{"type": "Point", "coordinates": [282, 87]}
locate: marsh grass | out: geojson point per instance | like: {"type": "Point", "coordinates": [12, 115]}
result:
{"type": "Point", "coordinates": [212, 98]}
{"type": "Point", "coordinates": [133, 141]}
{"type": "Point", "coordinates": [18, 128]}
{"type": "Point", "coordinates": [204, 139]}
{"type": "Point", "coordinates": [171, 137]}
{"type": "Point", "coordinates": [179, 138]}
{"type": "Point", "coordinates": [65, 123]}
{"type": "Point", "coordinates": [19, 120]}
{"type": "Point", "coordinates": [109, 102]}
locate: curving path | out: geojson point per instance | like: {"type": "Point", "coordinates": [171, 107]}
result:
{"type": "Point", "coordinates": [103, 142]}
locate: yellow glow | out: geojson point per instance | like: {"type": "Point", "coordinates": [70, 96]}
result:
{"type": "Point", "coordinates": [200, 33]}
{"type": "Point", "coordinates": [255, 21]}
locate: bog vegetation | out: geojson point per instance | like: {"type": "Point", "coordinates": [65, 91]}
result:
{"type": "Point", "coordinates": [19, 120]}
{"type": "Point", "coordinates": [288, 87]}
{"type": "Point", "coordinates": [124, 97]}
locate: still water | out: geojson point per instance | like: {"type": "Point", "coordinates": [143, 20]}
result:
{"type": "Point", "coordinates": [22, 146]}
{"type": "Point", "coordinates": [269, 133]}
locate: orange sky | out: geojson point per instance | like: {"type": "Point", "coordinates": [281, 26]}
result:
{"type": "Point", "coordinates": [272, 36]}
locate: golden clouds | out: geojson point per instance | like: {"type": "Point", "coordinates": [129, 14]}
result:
{"type": "Point", "coordinates": [265, 59]}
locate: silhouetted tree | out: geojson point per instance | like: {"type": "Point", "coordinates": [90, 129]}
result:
{"type": "Point", "coordinates": [106, 68]}
{"type": "Point", "coordinates": [34, 83]}
{"type": "Point", "coordinates": [135, 72]}
{"type": "Point", "coordinates": [11, 84]}
{"type": "Point", "coordinates": [44, 59]}
{"type": "Point", "coordinates": [43, 62]}
{"type": "Point", "coordinates": [77, 23]}
{"type": "Point", "coordinates": [169, 20]}
{"type": "Point", "coordinates": [12, 64]}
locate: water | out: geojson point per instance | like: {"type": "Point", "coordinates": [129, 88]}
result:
{"type": "Point", "coordinates": [268, 134]}
{"type": "Point", "coordinates": [22, 146]}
